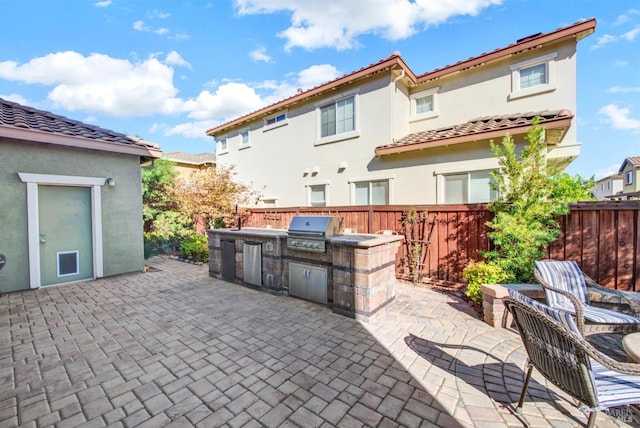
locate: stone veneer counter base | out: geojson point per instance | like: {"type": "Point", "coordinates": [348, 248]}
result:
{"type": "Point", "coordinates": [360, 269]}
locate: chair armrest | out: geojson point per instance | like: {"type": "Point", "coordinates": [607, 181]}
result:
{"type": "Point", "coordinates": [577, 304]}
{"type": "Point", "coordinates": [629, 298]}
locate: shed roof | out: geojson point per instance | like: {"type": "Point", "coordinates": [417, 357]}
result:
{"type": "Point", "coordinates": [24, 123]}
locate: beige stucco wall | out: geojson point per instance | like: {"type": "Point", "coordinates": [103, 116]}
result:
{"type": "Point", "coordinates": [276, 159]}
{"type": "Point", "coordinates": [121, 205]}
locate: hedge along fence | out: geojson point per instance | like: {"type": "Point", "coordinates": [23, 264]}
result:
{"type": "Point", "coordinates": [601, 236]}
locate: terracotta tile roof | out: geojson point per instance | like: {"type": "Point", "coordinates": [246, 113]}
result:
{"type": "Point", "coordinates": [577, 30]}
{"type": "Point", "coordinates": [192, 158]}
{"type": "Point", "coordinates": [17, 116]}
{"type": "Point", "coordinates": [478, 129]}
{"type": "Point", "coordinates": [634, 160]}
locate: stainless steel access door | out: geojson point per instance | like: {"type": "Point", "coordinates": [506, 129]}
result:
{"type": "Point", "coordinates": [252, 265]}
{"type": "Point", "coordinates": [308, 282]}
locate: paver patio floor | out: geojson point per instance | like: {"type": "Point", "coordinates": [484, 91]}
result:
{"type": "Point", "coordinates": [173, 347]}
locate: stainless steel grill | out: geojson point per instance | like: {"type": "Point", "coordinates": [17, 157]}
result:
{"type": "Point", "coordinates": [308, 233]}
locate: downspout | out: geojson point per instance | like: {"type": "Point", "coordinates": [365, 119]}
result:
{"type": "Point", "coordinates": [391, 105]}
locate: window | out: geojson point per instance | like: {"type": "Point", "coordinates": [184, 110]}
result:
{"type": "Point", "coordinates": [338, 118]}
{"type": "Point", "coordinates": [424, 104]}
{"type": "Point", "coordinates": [609, 184]}
{"type": "Point", "coordinates": [469, 188]}
{"type": "Point", "coordinates": [534, 76]}
{"type": "Point", "coordinates": [318, 195]}
{"type": "Point", "coordinates": [269, 203]}
{"type": "Point", "coordinates": [223, 145]}
{"type": "Point", "coordinates": [275, 119]}
{"type": "Point", "coordinates": [244, 138]}
{"type": "Point", "coordinates": [372, 193]}
{"type": "Point", "coordinates": [629, 177]}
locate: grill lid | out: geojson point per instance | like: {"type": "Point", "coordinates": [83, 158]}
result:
{"type": "Point", "coordinates": [314, 225]}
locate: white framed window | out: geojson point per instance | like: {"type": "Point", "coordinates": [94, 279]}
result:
{"type": "Point", "coordinates": [371, 192]}
{"type": "Point", "coordinates": [424, 104]}
{"type": "Point", "coordinates": [244, 139]}
{"type": "Point", "coordinates": [629, 177]}
{"type": "Point", "coordinates": [337, 119]}
{"type": "Point", "coordinates": [275, 121]}
{"type": "Point", "coordinates": [533, 76]}
{"type": "Point", "coordinates": [317, 195]}
{"type": "Point", "coordinates": [269, 202]}
{"type": "Point", "coordinates": [469, 188]}
{"type": "Point", "coordinates": [223, 145]}
{"type": "Point", "coordinates": [609, 184]}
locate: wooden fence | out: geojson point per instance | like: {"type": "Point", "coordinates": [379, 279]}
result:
{"type": "Point", "coordinates": [601, 236]}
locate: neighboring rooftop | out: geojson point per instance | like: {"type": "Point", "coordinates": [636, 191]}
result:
{"type": "Point", "coordinates": [55, 129]}
{"type": "Point", "coordinates": [579, 30]}
{"type": "Point", "coordinates": [633, 160]}
{"type": "Point", "coordinates": [481, 129]}
{"type": "Point", "coordinates": [191, 158]}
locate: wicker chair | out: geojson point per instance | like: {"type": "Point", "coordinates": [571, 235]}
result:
{"type": "Point", "coordinates": [565, 286]}
{"type": "Point", "coordinates": [557, 350]}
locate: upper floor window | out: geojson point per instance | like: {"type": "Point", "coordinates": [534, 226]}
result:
{"type": "Point", "coordinates": [609, 184]}
{"type": "Point", "coordinates": [424, 104]}
{"type": "Point", "coordinates": [338, 117]}
{"type": "Point", "coordinates": [318, 195]}
{"type": "Point", "coordinates": [276, 120]}
{"type": "Point", "coordinates": [372, 192]}
{"type": "Point", "coordinates": [469, 188]}
{"type": "Point", "coordinates": [244, 138]}
{"type": "Point", "coordinates": [533, 76]}
{"type": "Point", "coordinates": [629, 176]}
{"type": "Point", "coordinates": [223, 146]}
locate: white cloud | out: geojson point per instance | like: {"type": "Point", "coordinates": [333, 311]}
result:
{"type": "Point", "coordinates": [603, 40]}
{"type": "Point", "coordinates": [317, 75]}
{"type": "Point", "coordinates": [623, 89]}
{"type": "Point", "coordinates": [98, 83]}
{"type": "Point", "coordinates": [338, 23]}
{"type": "Point", "coordinates": [631, 35]}
{"type": "Point", "coordinates": [181, 36]}
{"type": "Point", "coordinates": [140, 26]}
{"type": "Point", "coordinates": [102, 3]}
{"type": "Point", "coordinates": [158, 15]}
{"type": "Point", "coordinates": [227, 102]}
{"type": "Point", "coordinates": [260, 54]}
{"type": "Point", "coordinates": [626, 16]}
{"type": "Point", "coordinates": [174, 58]}
{"type": "Point", "coordinates": [17, 98]}
{"type": "Point", "coordinates": [161, 31]}
{"type": "Point", "coordinates": [607, 171]}
{"type": "Point", "coordinates": [619, 118]}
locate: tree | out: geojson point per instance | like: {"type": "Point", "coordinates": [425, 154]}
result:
{"type": "Point", "coordinates": [524, 221]}
{"type": "Point", "coordinates": [568, 189]}
{"type": "Point", "coordinates": [158, 180]}
{"type": "Point", "coordinates": [212, 194]}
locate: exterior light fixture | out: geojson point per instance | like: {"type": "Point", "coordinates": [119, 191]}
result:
{"type": "Point", "coordinates": [111, 182]}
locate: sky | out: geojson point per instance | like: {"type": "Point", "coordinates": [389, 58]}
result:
{"type": "Point", "coordinates": [169, 70]}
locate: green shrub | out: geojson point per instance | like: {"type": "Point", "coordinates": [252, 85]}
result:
{"type": "Point", "coordinates": [195, 248]}
{"type": "Point", "coordinates": [478, 273]}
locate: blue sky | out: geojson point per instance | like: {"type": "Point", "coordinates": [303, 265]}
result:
{"type": "Point", "coordinates": [169, 70]}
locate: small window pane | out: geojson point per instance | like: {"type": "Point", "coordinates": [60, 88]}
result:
{"type": "Point", "coordinates": [245, 137]}
{"type": "Point", "coordinates": [318, 195]}
{"type": "Point", "coordinates": [533, 76]}
{"type": "Point", "coordinates": [380, 193]}
{"type": "Point", "coordinates": [362, 194]}
{"type": "Point", "coordinates": [629, 177]}
{"type": "Point", "coordinates": [328, 120]}
{"type": "Point", "coordinates": [345, 116]}
{"type": "Point", "coordinates": [455, 191]}
{"type": "Point", "coordinates": [223, 144]}
{"type": "Point", "coordinates": [424, 104]}
{"type": "Point", "coordinates": [480, 189]}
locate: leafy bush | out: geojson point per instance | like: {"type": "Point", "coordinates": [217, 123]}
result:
{"type": "Point", "coordinates": [168, 230]}
{"type": "Point", "coordinates": [195, 248]}
{"type": "Point", "coordinates": [478, 273]}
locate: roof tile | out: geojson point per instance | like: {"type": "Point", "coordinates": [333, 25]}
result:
{"type": "Point", "coordinates": [18, 116]}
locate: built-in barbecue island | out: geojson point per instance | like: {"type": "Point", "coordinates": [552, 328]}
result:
{"type": "Point", "coordinates": [353, 274]}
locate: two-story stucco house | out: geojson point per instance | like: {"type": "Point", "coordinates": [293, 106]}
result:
{"type": "Point", "coordinates": [630, 172]}
{"type": "Point", "coordinates": [607, 188]}
{"type": "Point", "coordinates": [385, 135]}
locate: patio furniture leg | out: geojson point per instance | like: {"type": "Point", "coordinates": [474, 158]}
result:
{"type": "Point", "coordinates": [524, 388]}
{"type": "Point", "coordinates": [592, 419]}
